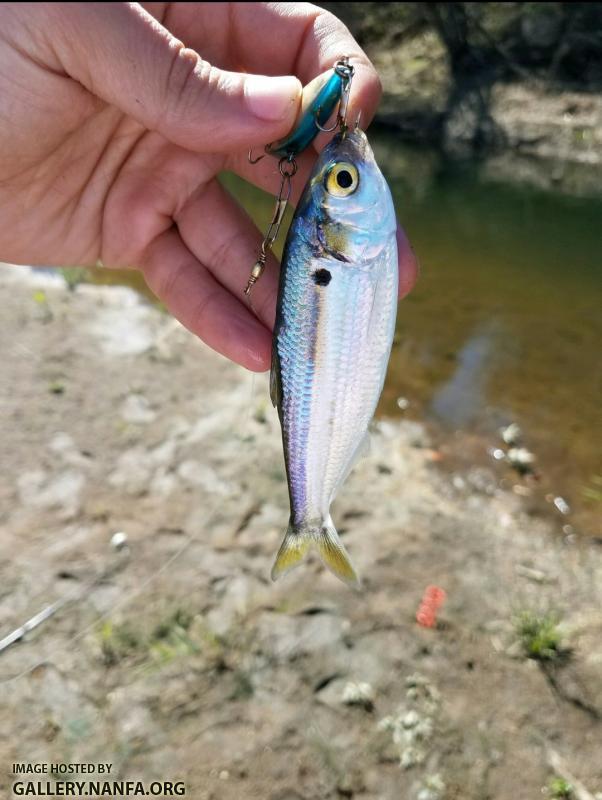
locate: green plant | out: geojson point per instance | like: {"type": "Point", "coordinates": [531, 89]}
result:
{"type": "Point", "coordinates": [73, 276]}
{"type": "Point", "coordinates": [117, 642]}
{"type": "Point", "coordinates": [180, 620]}
{"type": "Point", "coordinates": [170, 638]}
{"type": "Point", "coordinates": [539, 635]}
{"type": "Point", "coordinates": [593, 492]}
{"type": "Point", "coordinates": [560, 789]}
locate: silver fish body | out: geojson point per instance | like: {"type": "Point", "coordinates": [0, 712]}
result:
{"type": "Point", "coordinates": [332, 340]}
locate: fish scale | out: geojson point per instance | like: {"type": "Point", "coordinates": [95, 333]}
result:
{"type": "Point", "coordinates": [345, 394]}
{"type": "Point", "coordinates": [332, 339]}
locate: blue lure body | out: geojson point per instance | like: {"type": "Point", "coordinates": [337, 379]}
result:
{"type": "Point", "coordinates": [317, 112]}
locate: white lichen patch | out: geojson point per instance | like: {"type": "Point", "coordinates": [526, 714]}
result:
{"type": "Point", "coordinates": [433, 789]}
{"type": "Point", "coordinates": [413, 724]}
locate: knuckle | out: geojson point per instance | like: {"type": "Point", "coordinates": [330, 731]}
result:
{"type": "Point", "coordinates": [189, 86]}
{"type": "Point", "coordinates": [166, 282]}
{"type": "Point", "coordinates": [201, 316]}
{"type": "Point", "coordinates": [131, 218]}
{"type": "Point", "coordinates": [227, 250]}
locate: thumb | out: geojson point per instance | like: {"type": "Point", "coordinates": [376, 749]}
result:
{"type": "Point", "coordinates": [119, 52]}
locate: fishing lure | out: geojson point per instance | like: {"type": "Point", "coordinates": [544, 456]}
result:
{"type": "Point", "coordinates": [319, 104]}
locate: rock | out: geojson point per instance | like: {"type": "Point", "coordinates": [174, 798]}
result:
{"type": "Point", "coordinates": [136, 728]}
{"type": "Point", "coordinates": [332, 692]}
{"type": "Point", "coordinates": [512, 434]}
{"type": "Point", "coordinates": [197, 473]}
{"type": "Point", "coordinates": [358, 693]}
{"type": "Point", "coordinates": [238, 595]}
{"type": "Point", "coordinates": [497, 453]}
{"type": "Point", "coordinates": [133, 471]}
{"type": "Point", "coordinates": [122, 326]}
{"type": "Point", "coordinates": [119, 540]}
{"type": "Point", "coordinates": [163, 483]}
{"type": "Point", "coordinates": [562, 505]}
{"type": "Point", "coordinates": [288, 637]}
{"type": "Point", "coordinates": [136, 409]}
{"type": "Point", "coordinates": [61, 443]}
{"type": "Point", "coordinates": [39, 490]}
{"type": "Point", "coordinates": [520, 458]}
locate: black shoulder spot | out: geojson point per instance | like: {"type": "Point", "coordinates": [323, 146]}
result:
{"type": "Point", "coordinates": [321, 277]}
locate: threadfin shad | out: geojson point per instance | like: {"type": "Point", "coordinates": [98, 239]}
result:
{"type": "Point", "coordinates": [334, 329]}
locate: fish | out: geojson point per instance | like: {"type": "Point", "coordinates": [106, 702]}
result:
{"type": "Point", "coordinates": [335, 322]}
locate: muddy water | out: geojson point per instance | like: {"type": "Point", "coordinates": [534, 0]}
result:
{"type": "Point", "coordinates": [506, 322]}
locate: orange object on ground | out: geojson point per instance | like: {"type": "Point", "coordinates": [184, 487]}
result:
{"type": "Point", "coordinates": [432, 600]}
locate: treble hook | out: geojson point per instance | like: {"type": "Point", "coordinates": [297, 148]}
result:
{"type": "Point", "coordinates": [252, 160]}
{"type": "Point", "coordinates": [344, 69]}
{"type": "Point", "coordinates": [320, 127]}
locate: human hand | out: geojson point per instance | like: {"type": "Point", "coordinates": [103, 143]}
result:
{"type": "Point", "coordinates": [116, 120]}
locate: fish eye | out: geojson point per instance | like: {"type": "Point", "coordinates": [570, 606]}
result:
{"type": "Point", "coordinates": [342, 179]}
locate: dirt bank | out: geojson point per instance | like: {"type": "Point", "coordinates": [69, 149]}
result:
{"type": "Point", "coordinates": [177, 658]}
{"type": "Point", "coordinates": [514, 84]}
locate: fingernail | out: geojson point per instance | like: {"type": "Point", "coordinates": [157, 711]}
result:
{"type": "Point", "coordinates": [272, 98]}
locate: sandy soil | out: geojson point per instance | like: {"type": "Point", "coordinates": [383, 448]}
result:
{"type": "Point", "coordinates": [176, 658]}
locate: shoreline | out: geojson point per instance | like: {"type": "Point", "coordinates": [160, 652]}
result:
{"type": "Point", "coordinates": [495, 103]}
{"type": "Point", "coordinates": [118, 422]}
{"type": "Point", "coordinates": [464, 455]}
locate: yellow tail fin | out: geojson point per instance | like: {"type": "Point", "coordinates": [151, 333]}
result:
{"type": "Point", "coordinates": [297, 542]}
